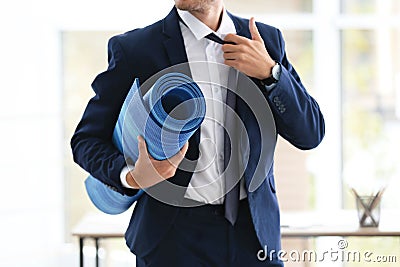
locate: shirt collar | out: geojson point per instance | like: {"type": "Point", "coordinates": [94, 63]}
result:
{"type": "Point", "coordinates": [200, 30]}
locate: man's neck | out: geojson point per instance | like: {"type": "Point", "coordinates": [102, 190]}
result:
{"type": "Point", "coordinates": [211, 17]}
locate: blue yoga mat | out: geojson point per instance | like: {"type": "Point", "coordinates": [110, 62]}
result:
{"type": "Point", "coordinates": [166, 116]}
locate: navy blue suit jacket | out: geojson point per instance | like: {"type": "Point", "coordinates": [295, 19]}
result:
{"type": "Point", "coordinates": [143, 52]}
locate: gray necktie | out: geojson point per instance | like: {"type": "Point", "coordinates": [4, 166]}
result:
{"type": "Point", "coordinates": [213, 37]}
{"type": "Point", "coordinates": [231, 142]}
{"type": "Point", "coordinates": [231, 152]}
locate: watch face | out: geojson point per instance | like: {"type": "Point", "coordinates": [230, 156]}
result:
{"type": "Point", "coordinates": [275, 75]}
{"type": "Point", "coordinates": [276, 71]}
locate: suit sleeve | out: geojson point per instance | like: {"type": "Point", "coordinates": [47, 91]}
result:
{"type": "Point", "coordinates": [297, 115]}
{"type": "Point", "coordinates": [91, 143]}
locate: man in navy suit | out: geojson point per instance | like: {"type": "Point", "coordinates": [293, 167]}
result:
{"type": "Point", "coordinates": [162, 234]}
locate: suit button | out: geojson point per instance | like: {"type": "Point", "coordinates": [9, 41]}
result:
{"type": "Point", "coordinates": [215, 89]}
{"type": "Point", "coordinates": [277, 100]}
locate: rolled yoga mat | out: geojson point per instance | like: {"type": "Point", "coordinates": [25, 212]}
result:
{"type": "Point", "coordinates": [166, 116]}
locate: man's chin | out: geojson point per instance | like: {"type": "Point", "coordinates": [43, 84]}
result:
{"type": "Point", "coordinates": [182, 6]}
{"type": "Point", "coordinates": [194, 6]}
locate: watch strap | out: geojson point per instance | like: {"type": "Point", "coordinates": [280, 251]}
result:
{"type": "Point", "coordinates": [271, 79]}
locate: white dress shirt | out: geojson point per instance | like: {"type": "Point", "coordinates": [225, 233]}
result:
{"type": "Point", "coordinates": [207, 184]}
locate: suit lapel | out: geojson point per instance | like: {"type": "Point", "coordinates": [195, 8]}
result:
{"type": "Point", "coordinates": [240, 30]}
{"type": "Point", "coordinates": [173, 42]}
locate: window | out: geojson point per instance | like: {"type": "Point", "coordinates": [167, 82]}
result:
{"type": "Point", "coordinates": [271, 6]}
{"type": "Point", "coordinates": [370, 104]}
{"type": "Point", "coordinates": [358, 6]}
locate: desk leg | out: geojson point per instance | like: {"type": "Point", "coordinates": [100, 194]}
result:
{"type": "Point", "coordinates": [81, 251]}
{"type": "Point", "coordinates": [96, 240]}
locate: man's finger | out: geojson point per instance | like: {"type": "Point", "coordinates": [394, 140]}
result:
{"type": "Point", "coordinates": [255, 35]}
{"type": "Point", "coordinates": [234, 38]}
{"type": "Point", "coordinates": [176, 159]}
{"type": "Point", "coordinates": [234, 55]}
{"type": "Point", "coordinates": [232, 63]}
{"type": "Point", "coordinates": [142, 146]}
{"type": "Point", "coordinates": [184, 149]}
{"type": "Point", "coordinates": [229, 48]}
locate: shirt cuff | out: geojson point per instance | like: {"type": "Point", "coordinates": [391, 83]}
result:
{"type": "Point", "coordinates": [269, 88]}
{"type": "Point", "coordinates": [123, 174]}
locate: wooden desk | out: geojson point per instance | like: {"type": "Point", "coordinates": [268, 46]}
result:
{"type": "Point", "coordinates": [294, 225]}
{"type": "Point", "coordinates": [98, 226]}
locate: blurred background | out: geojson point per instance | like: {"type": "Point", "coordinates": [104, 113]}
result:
{"type": "Point", "coordinates": [346, 51]}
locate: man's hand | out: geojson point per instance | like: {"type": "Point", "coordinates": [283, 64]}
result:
{"type": "Point", "coordinates": [148, 171]}
{"type": "Point", "coordinates": [248, 56]}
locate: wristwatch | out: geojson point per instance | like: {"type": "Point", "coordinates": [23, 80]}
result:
{"type": "Point", "coordinates": [275, 75]}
